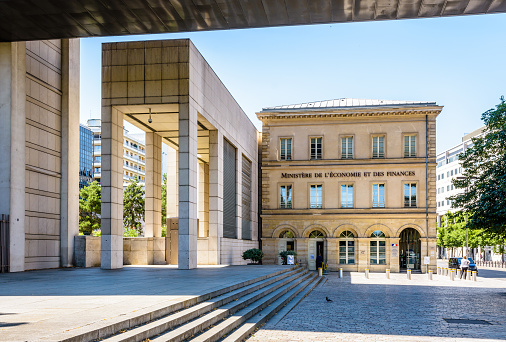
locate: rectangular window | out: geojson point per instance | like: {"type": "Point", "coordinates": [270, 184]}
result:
{"type": "Point", "coordinates": [316, 196]}
{"type": "Point", "coordinates": [451, 173]}
{"type": "Point", "coordinates": [447, 188]}
{"type": "Point", "coordinates": [347, 196]}
{"type": "Point", "coordinates": [285, 149]}
{"type": "Point", "coordinates": [438, 177]}
{"type": "Point", "coordinates": [409, 146]}
{"type": "Point", "coordinates": [285, 194]}
{"type": "Point", "coordinates": [447, 173]}
{"type": "Point", "coordinates": [378, 146]}
{"type": "Point", "coordinates": [410, 195]}
{"type": "Point", "coordinates": [442, 176]}
{"type": "Point", "coordinates": [316, 148]}
{"type": "Point", "coordinates": [378, 195]}
{"type": "Point", "coordinates": [347, 252]}
{"type": "Point", "coordinates": [378, 252]}
{"type": "Point", "coordinates": [347, 148]}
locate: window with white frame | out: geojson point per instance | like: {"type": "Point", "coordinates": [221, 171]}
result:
{"type": "Point", "coordinates": [346, 195]}
{"type": "Point", "coordinates": [347, 248]}
{"type": "Point", "coordinates": [410, 195]}
{"type": "Point", "coordinates": [347, 147]}
{"type": "Point", "coordinates": [316, 196]}
{"type": "Point", "coordinates": [285, 149]}
{"type": "Point", "coordinates": [378, 195]}
{"type": "Point", "coordinates": [377, 248]}
{"type": "Point", "coordinates": [378, 146]}
{"type": "Point", "coordinates": [285, 196]}
{"type": "Point", "coordinates": [316, 148]}
{"type": "Point", "coordinates": [409, 146]}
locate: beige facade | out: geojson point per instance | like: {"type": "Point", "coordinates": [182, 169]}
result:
{"type": "Point", "coordinates": [339, 171]}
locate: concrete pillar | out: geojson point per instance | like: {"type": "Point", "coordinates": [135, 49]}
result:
{"type": "Point", "coordinates": [188, 170]}
{"type": "Point", "coordinates": [153, 208]}
{"type": "Point", "coordinates": [112, 188]}
{"type": "Point", "coordinates": [12, 146]}
{"type": "Point", "coordinates": [215, 195]}
{"type": "Point", "coordinates": [69, 204]}
{"type": "Point", "coordinates": [203, 199]}
{"type": "Point", "coordinates": [172, 183]}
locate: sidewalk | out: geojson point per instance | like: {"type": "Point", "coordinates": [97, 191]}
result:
{"type": "Point", "coordinates": [50, 304]}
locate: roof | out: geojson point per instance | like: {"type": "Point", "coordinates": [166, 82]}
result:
{"type": "Point", "coordinates": [348, 103]}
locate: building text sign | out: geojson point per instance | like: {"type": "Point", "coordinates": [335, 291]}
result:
{"type": "Point", "coordinates": [347, 174]}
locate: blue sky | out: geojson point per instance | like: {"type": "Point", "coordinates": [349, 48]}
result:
{"type": "Point", "coordinates": [458, 62]}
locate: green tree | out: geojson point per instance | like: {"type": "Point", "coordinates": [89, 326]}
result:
{"type": "Point", "coordinates": [484, 175]}
{"type": "Point", "coordinates": [133, 205]}
{"type": "Point", "coordinates": [164, 199]}
{"type": "Point", "coordinates": [89, 208]}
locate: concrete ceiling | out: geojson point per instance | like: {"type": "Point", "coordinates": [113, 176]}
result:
{"type": "Point", "coordinates": [52, 19]}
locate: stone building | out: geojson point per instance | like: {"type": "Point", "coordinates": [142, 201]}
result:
{"type": "Point", "coordinates": [352, 180]}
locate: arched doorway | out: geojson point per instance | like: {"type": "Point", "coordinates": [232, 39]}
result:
{"type": "Point", "coordinates": [409, 249]}
{"type": "Point", "coordinates": [286, 242]}
{"type": "Point", "coordinates": [316, 247]}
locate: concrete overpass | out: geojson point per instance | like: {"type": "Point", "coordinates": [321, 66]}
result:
{"type": "Point", "coordinates": [24, 20]}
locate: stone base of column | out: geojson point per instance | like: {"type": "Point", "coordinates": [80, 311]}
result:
{"type": "Point", "coordinates": [111, 254]}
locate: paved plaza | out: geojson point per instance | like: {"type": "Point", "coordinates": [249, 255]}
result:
{"type": "Point", "coordinates": [396, 309]}
{"type": "Point", "coordinates": [51, 305]}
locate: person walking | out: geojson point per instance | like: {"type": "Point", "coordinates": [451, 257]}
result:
{"type": "Point", "coordinates": [464, 266]}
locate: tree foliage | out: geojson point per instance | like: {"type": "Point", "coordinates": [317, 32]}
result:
{"type": "Point", "coordinates": [89, 207]}
{"type": "Point", "coordinates": [484, 176]}
{"type": "Point", "coordinates": [133, 206]}
{"type": "Point", "coordinates": [254, 254]}
{"type": "Point", "coordinates": [164, 199]}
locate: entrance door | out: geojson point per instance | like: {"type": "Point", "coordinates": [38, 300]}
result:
{"type": "Point", "coordinates": [409, 249]}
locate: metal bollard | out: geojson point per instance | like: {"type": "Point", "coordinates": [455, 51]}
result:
{"type": "Point", "coordinates": [388, 273]}
{"type": "Point", "coordinates": [340, 272]}
{"type": "Point", "coordinates": [446, 271]}
{"type": "Point", "coordinates": [409, 274]}
{"type": "Point", "coordinates": [452, 275]}
{"type": "Point", "coordinates": [320, 272]}
{"type": "Point", "coordinates": [475, 275]}
{"type": "Point", "coordinates": [468, 275]}
{"type": "Point", "coordinates": [367, 273]}
{"type": "Point", "coordinates": [430, 275]}
{"type": "Point", "coordinates": [439, 271]}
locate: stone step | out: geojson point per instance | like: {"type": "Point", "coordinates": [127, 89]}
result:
{"type": "Point", "coordinates": [171, 321]}
{"type": "Point", "coordinates": [194, 327]}
{"type": "Point", "coordinates": [264, 305]}
{"type": "Point", "coordinates": [167, 307]}
{"type": "Point", "coordinates": [276, 311]}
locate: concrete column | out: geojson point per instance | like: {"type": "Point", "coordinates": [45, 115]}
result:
{"type": "Point", "coordinates": [172, 183]}
{"type": "Point", "coordinates": [188, 170]}
{"type": "Point", "coordinates": [215, 195]}
{"type": "Point", "coordinates": [153, 208]}
{"type": "Point", "coordinates": [69, 204]}
{"type": "Point", "coordinates": [203, 202]}
{"type": "Point", "coordinates": [12, 146]}
{"type": "Point", "coordinates": [112, 188]}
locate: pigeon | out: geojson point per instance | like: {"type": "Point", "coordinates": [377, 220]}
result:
{"type": "Point", "coordinates": [328, 299]}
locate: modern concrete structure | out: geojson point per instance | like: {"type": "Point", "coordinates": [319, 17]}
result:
{"type": "Point", "coordinates": [134, 154]}
{"type": "Point", "coordinates": [49, 19]}
{"type": "Point", "coordinates": [39, 150]}
{"type": "Point", "coordinates": [351, 180]}
{"type": "Point", "coordinates": [85, 156]}
{"type": "Point", "coordinates": [167, 89]}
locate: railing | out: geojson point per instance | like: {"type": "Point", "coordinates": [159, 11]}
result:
{"type": "Point", "coordinates": [4, 244]}
{"type": "Point", "coordinates": [496, 264]}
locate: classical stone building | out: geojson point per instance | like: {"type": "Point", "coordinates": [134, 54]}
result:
{"type": "Point", "coordinates": [352, 180]}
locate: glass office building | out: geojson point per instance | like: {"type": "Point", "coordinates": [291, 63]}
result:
{"type": "Point", "coordinates": [85, 156]}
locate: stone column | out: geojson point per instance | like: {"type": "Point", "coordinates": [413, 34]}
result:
{"type": "Point", "coordinates": [12, 146]}
{"type": "Point", "coordinates": [215, 195]}
{"type": "Point", "coordinates": [203, 202]}
{"type": "Point", "coordinates": [362, 254]}
{"type": "Point", "coordinates": [333, 253]}
{"type": "Point", "coordinates": [393, 257]}
{"type": "Point", "coordinates": [69, 204]}
{"type": "Point", "coordinates": [153, 208]}
{"type": "Point", "coordinates": [188, 170]}
{"type": "Point", "coordinates": [302, 251]}
{"type": "Point", "coordinates": [112, 188]}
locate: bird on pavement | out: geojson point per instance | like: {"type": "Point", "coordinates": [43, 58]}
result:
{"type": "Point", "coordinates": [328, 299]}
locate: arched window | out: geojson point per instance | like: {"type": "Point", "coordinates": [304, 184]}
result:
{"type": "Point", "coordinates": [286, 235]}
{"type": "Point", "coordinates": [347, 248]}
{"type": "Point", "coordinates": [378, 248]}
{"type": "Point", "coordinates": [316, 234]}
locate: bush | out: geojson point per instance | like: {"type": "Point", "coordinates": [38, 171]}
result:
{"type": "Point", "coordinates": [254, 254]}
{"type": "Point", "coordinates": [284, 255]}
{"type": "Point", "coordinates": [164, 231]}
{"type": "Point", "coordinates": [130, 232]}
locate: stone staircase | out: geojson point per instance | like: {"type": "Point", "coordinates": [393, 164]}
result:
{"type": "Point", "coordinates": [229, 315]}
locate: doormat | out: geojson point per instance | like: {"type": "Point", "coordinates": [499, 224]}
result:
{"type": "Point", "coordinates": [466, 321]}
